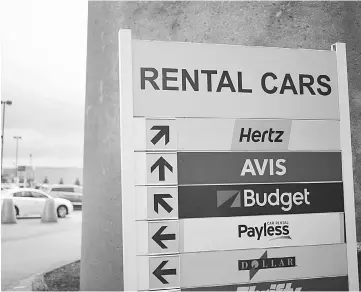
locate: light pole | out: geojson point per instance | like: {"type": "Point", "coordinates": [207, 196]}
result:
{"type": "Point", "coordinates": [32, 167]}
{"type": "Point", "coordinates": [17, 149]}
{"type": "Point", "coordinates": [3, 103]}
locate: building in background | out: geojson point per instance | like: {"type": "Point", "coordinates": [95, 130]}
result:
{"type": "Point", "coordinates": [69, 174]}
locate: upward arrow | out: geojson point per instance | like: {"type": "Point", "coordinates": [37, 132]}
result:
{"type": "Point", "coordinates": [163, 131]}
{"type": "Point", "coordinates": [162, 164]}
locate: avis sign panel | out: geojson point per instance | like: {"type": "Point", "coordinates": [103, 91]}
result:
{"type": "Point", "coordinates": [258, 167]}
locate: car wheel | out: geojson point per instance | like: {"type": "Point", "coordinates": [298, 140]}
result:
{"type": "Point", "coordinates": [62, 211]}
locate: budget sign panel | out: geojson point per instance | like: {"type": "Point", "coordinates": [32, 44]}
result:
{"type": "Point", "coordinates": [259, 199]}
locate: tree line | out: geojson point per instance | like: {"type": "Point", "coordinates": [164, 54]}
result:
{"type": "Point", "coordinates": [61, 181]}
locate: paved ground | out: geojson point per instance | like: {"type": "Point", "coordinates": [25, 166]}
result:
{"type": "Point", "coordinates": [31, 247]}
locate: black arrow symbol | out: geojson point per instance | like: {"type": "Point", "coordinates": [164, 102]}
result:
{"type": "Point", "coordinates": [159, 200]}
{"type": "Point", "coordinates": [159, 272]}
{"type": "Point", "coordinates": [163, 131]}
{"type": "Point", "coordinates": [162, 164]}
{"type": "Point", "coordinates": [158, 237]}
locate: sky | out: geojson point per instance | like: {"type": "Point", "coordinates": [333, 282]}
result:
{"type": "Point", "coordinates": [43, 69]}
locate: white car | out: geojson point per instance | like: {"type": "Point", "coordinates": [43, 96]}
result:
{"type": "Point", "coordinates": [30, 202]}
{"type": "Point", "coordinates": [6, 186]}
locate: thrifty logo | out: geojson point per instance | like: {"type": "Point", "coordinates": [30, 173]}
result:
{"type": "Point", "coordinates": [270, 287]}
{"type": "Point", "coordinates": [272, 229]}
{"type": "Point", "coordinates": [254, 265]}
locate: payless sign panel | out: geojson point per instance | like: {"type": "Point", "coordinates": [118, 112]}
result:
{"type": "Point", "coordinates": [207, 80]}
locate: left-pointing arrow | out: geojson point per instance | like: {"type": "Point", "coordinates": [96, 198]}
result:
{"type": "Point", "coordinates": [161, 163]}
{"type": "Point", "coordinates": [158, 237]}
{"type": "Point", "coordinates": [163, 131]}
{"type": "Point", "coordinates": [159, 272]}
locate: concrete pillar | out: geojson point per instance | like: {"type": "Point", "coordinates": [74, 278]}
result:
{"type": "Point", "coordinates": [101, 255]}
{"type": "Point", "coordinates": [309, 25]}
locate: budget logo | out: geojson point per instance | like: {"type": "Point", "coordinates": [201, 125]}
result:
{"type": "Point", "coordinates": [248, 198]}
{"type": "Point", "coordinates": [270, 287]}
{"type": "Point", "coordinates": [254, 265]}
{"type": "Point", "coordinates": [270, 229]}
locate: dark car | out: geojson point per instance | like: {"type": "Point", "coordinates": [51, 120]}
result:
{"type": "Point", "coordinates": [73, 193]}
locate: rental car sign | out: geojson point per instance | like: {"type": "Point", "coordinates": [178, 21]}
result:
{"type": "Point", "coordinates": [204, 80]}
{"type": "Point", "coordinates": [236, 168]}
{"type": "Point", "coordinates": [225, 81]}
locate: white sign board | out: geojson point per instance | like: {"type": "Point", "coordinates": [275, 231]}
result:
{"type": "Point", "coordinates": [189, 114]}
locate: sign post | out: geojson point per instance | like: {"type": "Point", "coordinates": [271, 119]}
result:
{"type": "Point", "coordinates": [236, 168]}
{"type": "Point", "coordinates": [347, 169]}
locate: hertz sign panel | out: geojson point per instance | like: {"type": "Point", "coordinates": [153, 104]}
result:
{"type": "Point", "coordinates": [239, 170]}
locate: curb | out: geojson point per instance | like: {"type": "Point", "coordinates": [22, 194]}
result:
{"type": "Point", "coordinates": [38, 283]}
{"type": "Point", "coordinates": [33, 283]}
{"type": "Point", "coordinates": [22, 285]}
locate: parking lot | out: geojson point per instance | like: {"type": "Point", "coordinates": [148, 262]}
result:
{"type": "Point", "coordinates": [31, 247]}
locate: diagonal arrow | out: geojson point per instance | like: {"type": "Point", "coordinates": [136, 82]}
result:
{"type": "Point", "coordinates": [163, 131]}
{"type": "Point", "coordinates": [158, 237]}
{"type": "Point", "coordinates": [162, 164]}
{"type": "Point", "coordinates": [159, 200]}
{"type": "Point", "coordinates": [159, 272]}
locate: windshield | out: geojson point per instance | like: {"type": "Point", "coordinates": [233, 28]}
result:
{"type": "Point", "coordinates": [45, 189]}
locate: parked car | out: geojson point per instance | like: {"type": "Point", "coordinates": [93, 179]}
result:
{"type": "Point", "coordinates": [6, 186]}
{"type": "Point", "coordinates": [30, 202]}
{"type": "Point", "coordinates": [73, 193]}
